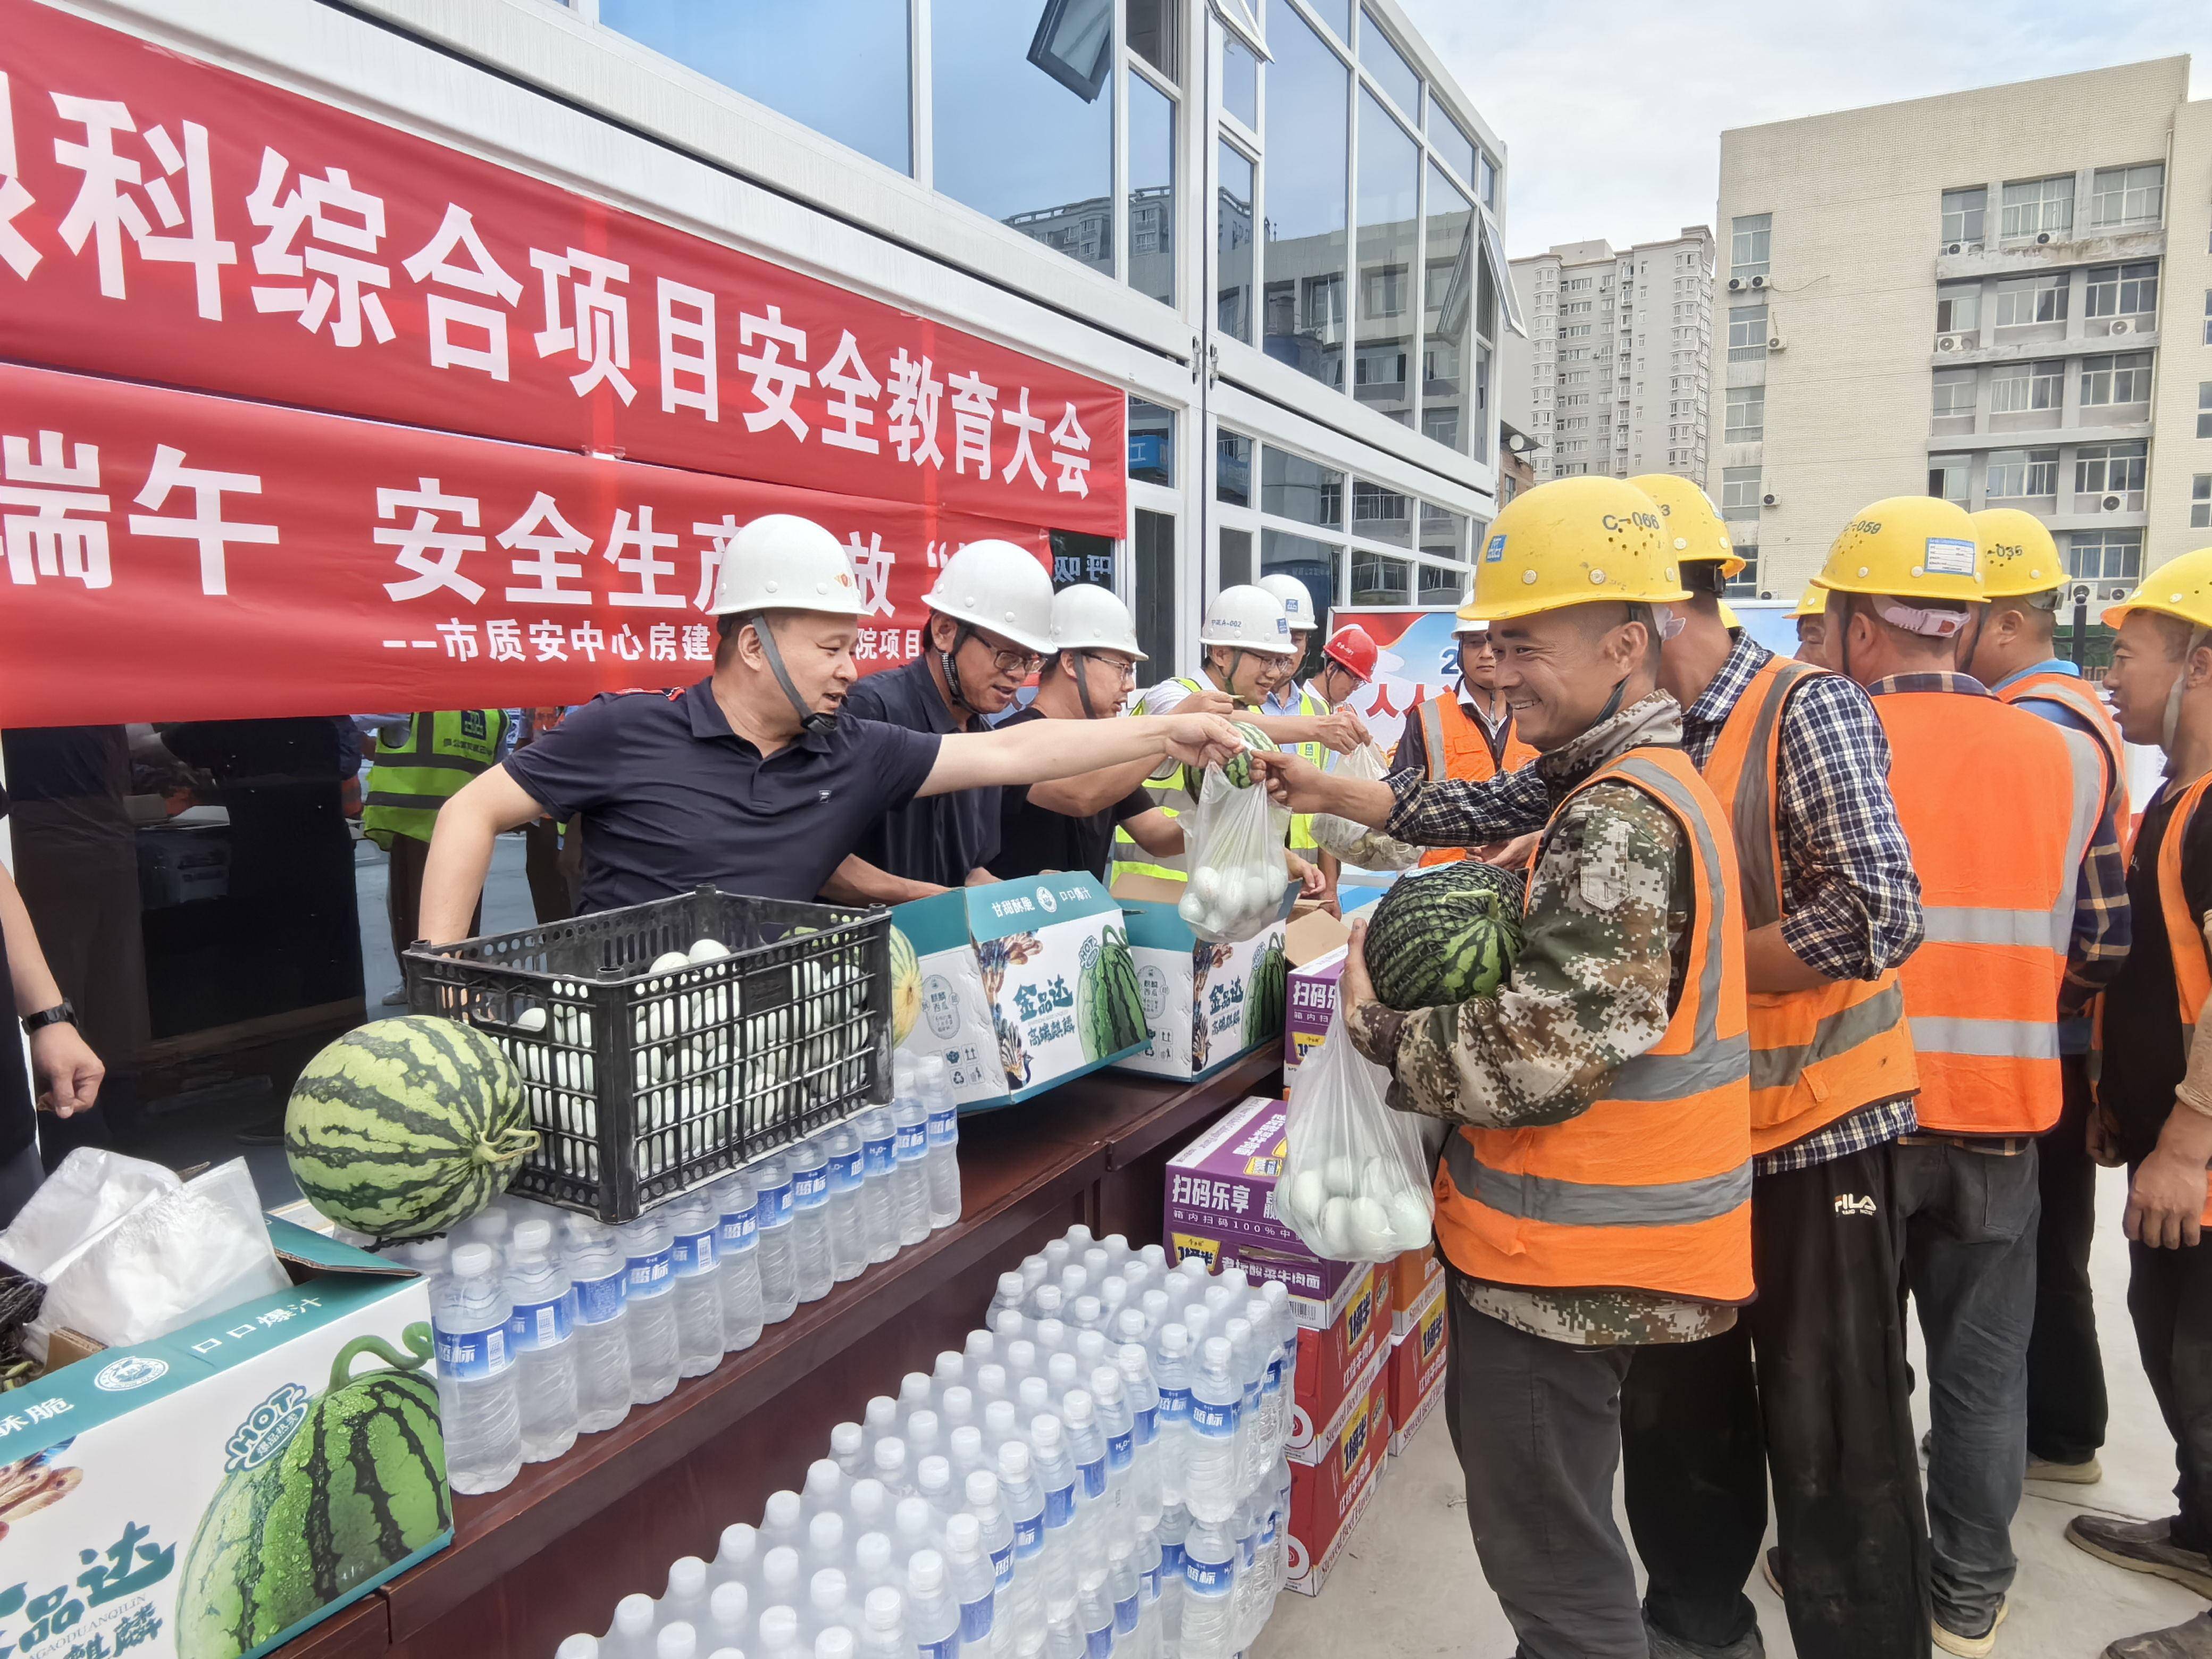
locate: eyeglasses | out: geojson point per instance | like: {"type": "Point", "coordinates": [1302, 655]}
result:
{"type": "Point", "coordinates": [1009, 659]}
{"type": "Point", "coordinates": [1122, 667]}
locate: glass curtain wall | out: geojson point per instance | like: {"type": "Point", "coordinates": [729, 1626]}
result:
{"type": "Point", "coordinates": [1309, 89]}
{"type": "Point", "coordinates": [1389, 250]}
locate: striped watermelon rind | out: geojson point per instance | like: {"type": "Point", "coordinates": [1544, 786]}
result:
{"type": "Point", "coordinates": [360, 1485]}
{"type": "Point", "coordinates": [406, 1127]}
{"type": "Point", "coordinates": [1237, 769]}
{"type": "Point", "coordinates": [1445, 936]}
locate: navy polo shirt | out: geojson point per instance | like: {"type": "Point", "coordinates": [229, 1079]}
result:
{"type": "Point", "coordinates": [944, 837]}
{"type": "Point", "coordinates": [671, 798]}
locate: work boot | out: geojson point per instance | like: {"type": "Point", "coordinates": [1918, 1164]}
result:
{"type": "Point", "coordinates": [1770, 1568]}
{"type": "Point", "coordinates": [2191, 1641]}
{"type": "Point", "coordinates": [1667, 1645]}
{"type": "Point", "coordinates": [2141, 1546]}
{"type": "Point", "coordinates": [1967, 1647]}
{"type": "Point", "coordinates": [2087, 1473]}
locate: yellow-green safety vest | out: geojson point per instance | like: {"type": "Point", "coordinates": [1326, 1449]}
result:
{"type": "Point", "coordinates": [409, 784]}
{"type": "Point", "coordinates": [1174, 795]}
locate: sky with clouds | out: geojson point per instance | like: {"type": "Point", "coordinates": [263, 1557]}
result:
{"type": "Point", "coordinates": [1613, 112]}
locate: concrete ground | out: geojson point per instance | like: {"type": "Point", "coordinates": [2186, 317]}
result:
{"type": "Point", "coordinates": [1408, 1584]}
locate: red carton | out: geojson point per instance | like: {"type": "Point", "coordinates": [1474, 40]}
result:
{"type": "Point", "coordinates": [1333, 1360]}
{"type": "Point", "coordinates": [1328, 1494]}
{"type": "Point", "coordinates": [1411, 1277]}
{"type": "Point", "coordinates": [1417, 1369]}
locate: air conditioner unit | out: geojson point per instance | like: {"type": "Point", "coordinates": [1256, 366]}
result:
{"type": "Point", "coordinates": [2120, 325]}
{"type": "Point", "coordinates": [1947, 343]}
{"type": "Point", "coordinates": [1758, 282]}
{"type": "Point", "coordinates": [1956, 247]}
{"type": "Point", "coordinates": [2110, 504]}
{"type": "Point", "coordinates": [1769, 500]}
{"type": "Point", "coordinates": [2042, 239]}
{"type": "Point", "coordinates": [2117, 591]}
{"type": "Point", "coordinates": [1734, 283]}
{"type": "Point", "coordinates": [1775, 343]}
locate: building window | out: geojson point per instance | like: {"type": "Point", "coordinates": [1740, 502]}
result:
{"type": "Point", "coordinates": [1151, 442]}
{"type": "Point", "coordinates": [1747, 336]}
{"type": "Point", "coordinates": [2129, 290]}
{"type": "Point", "coordinates": [1232, 468]}
{"type": "Point", "coordinates": [2110, 469]}
{"type": "Point", "coordinates": [1152, 191]}
{"type": "Point", "coordinates": [1386, 291]}
{"type": "Point", "coordinates": [2018, 388]}
{"type": "Point", "coordinates": [2200, 501]}
{"type": "Point", "coordinates": [1746, 414]}
{"type": "Point", "coordinates": [2025, 299]}
{"type": "Point", "coordinates": [1964, 211]}
{"type": "Point", "coordinates": [1233, 234]}
{"type": "Point", "coordinates": [2127, 195]}
{"type": "Point", "coordinates": [2105, 556]}
{"type": "Point", "coordinates": [2020, 473]}
{"type": "Point", "coordinates": [1574, 284]}
{"type": "Point", "coordinates": [2204, 409]}
{"type": "Point", "coordinates": [1740, 492]}
{"type": "Point", "coordinates": [1958, 308]}
{"type": "Point", "coordinates": [1381, 514]}
{"type": "Point", "coordinates": [2120, 378]}
{"type": "Point", "coordinates": [1954, 393]}
{"type": "Point", "coordinates": [1309, 94]}
{"type": "Point", "coordinates": [1751, 244]}
{"type": "Point", "coordinates": [1240, 81]}
{"type": "Point", "coordinates": [1946, 477]}
{"type": "Point", "coordinates": [2039, 207]}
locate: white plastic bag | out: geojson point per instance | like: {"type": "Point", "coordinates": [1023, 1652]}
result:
{"type": "Point", "coordinates": [87, 1192]}
{"type": "Point", "coordinates": [1355, 1180]}
{"type": "Point", "coordinates": [1234, 843]}
{"type": "Point", "coordinates": [1353, 842]}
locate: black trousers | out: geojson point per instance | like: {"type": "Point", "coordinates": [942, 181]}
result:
{"type": "Point", "coordinates": [1811, 1386]}
{"type": "Point", "coordinates": [2170, 1298]}
{"type": "Point", "coordinates": [2066, 1401]}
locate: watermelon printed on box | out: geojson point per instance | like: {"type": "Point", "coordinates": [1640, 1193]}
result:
{"type": "Point", "coordinates": [1205, 1006]}
{"type": "Point", "coordinates": [1025, 984]}
{"type": "Point", "coordinates": [213, 1492]}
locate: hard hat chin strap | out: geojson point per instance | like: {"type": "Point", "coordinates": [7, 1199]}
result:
{"type": "Point", "coordinates": [949, 662]}
{"type": "Point", "coordinates": [2169, 726]}
{"type": "Point", "coordinates": [1656, 619]}
{"type": "Point", "coordinates": [1082, 686]}
{"type": "Point", "coordinates": [812, 720]}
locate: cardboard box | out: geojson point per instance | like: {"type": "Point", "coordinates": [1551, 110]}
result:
{"type": "Point", "coordinates": [1411, 1277]}
{"type": "Point", "coordinates": [1314, 949]}
{"type": "Point", "coordinates": [1207, 1006]}
{"type": "Point", "coordinates": [1005, 970]}
{"type": "Point", "coordinates": [1329, 1492]}
{"type": "Point", "coordinates": [1417, 1368]}
{"type": "Point", "coordinates": [142, 1453]}
{"type": "Point", "coordinates": [1333, 1363]}
{"type": "Point", "coordinates": [1220, 1206]}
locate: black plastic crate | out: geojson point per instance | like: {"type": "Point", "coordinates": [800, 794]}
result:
{"type": "Point", "coordinates": [643, 1086]}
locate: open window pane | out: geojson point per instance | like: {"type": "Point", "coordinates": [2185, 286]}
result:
{"type": "Point", "coordinates": [1308, 95]}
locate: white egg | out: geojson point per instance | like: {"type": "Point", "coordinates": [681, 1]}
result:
{"type": "Point", "coordinates": [1409, 1220]}
{"type": "Point", "coordinates": [1336, 1229]}
{"type": "Point", "coordinates": [1371, 1236]}
{"type": "Point", "coordinates": [1382, 1179]}
{"type": "Point", "coordinates": [668, 962]}
{"type": "Point", "coordinates": [1261, 893]}
{"type": "Point", "coordinates": [1206, 883]}
{"type": "Point", "coordinates": [1309, 1196]}
{"type": "Point", "coordinates": [708, 950]}
{"type": "Point", "coordinates": [1191, 907]}
{"type": "Point", "coordinates": [1343, 1176]}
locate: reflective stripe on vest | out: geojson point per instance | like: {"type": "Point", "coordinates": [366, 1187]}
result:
{"type": "Point", "coordinates": [1301, 840]}
{"type": "Point", "coordinates": [2078, 697]}
{"type": "Point", "coordinates": [408, 785]}
{"type": "Point", "coordinates": [1817, 1055]}
{"type": "Point", "coordinates": [1455, 747]}
{"type": "Point", "coordinates": [1650, 1188]}
{"type": "Point", "coordinates": [2185, 933]}
{"type": "Point", "coordinates": [1999, 806]}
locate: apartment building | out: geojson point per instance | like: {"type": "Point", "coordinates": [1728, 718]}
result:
{"type": "Point", "coordinates": [1992, 296]}
{"type": "Point", "coordinates": [1613, 378]}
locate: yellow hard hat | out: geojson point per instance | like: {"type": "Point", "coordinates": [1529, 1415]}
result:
{"type": "Point", "coordinates": [1814, 602]}
{"type": "Point", "coordinates": [2180, 587]}
{"type": "Point", "coordinates": [2018, 555]}
{"type": "Point", "coordinates": [1573, 541]}
{"type": "Point", "coordinates": [1913, 547]}
{"type": "Point", "coordinates": [1730, 620]}
{"type": "Point", "coordinates": [1692, 528]}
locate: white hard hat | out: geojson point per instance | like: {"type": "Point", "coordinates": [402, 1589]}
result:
{"type": "Point", "coordinates": [1468, 627]}
{"type": "Point", "coordinates": [1249, 617]}
{"type": "Point", "coordinates": [784, 563]}
{"type": "Point", "coordinates": [998, 585]}
{"type": "Point", "coordinates": [1086, 618]}
{"type": "Point", "coordinates": [1296, 600]}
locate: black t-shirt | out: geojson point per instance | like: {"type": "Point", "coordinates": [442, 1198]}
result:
{"type": "Point", "coordinates": [940, 839]}
{"type": "Point", "coordinates": [671, 798]}
{"type": "Point", "coordinates": [2144, 1056]}
{"type": "Point", "coordinates": [19, 1123]}
{"type": "Point", "coordinates": [1033, 839]}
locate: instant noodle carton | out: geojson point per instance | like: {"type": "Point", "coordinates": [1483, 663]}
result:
{"type": "Point", "coordinates": [1205, 1006]}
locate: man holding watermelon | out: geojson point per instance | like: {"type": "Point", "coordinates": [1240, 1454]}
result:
{"type": "Point", "coordinates": [748, 780]}
{"type": "Point", "coordinates": [1594, 1199]}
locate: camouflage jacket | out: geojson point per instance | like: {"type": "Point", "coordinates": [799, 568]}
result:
{"type": "Point", "coordinates": [1600, 972]}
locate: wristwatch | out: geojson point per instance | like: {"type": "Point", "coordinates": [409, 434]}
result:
{"type": "Point", "coordinates": [60, 1014]}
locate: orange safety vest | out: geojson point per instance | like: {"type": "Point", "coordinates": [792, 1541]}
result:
{"type": "Point", "coordinates": [2185, 937]}
{"type": "Point", "coordinates": [1649, 1188]}
{"type": "Point", "coordinates": [1815, 1055]}
{"type": "Point", "coordinates": [2078, 697]}
{"type": "Point", "coordinates": [1456, 748]}
{"type": "Point", "coordinates": [1999, 806]}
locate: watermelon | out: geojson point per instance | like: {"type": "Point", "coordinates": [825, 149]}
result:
{"type": "Point", "coordinates": [1263, 1005]}
{"type": "Point", "coordinates": [906, 988]}
{"type": "Point", "coordinates": [1109, 1010]}
{"type": "Point", "coordinates": [1445, 935]}
{"type": "Point", "coordinates": [318, 1501]}
{"type": "Point", "coordinates": [1238, 767]}
{"type": "Point", "coordinates": [406, 1127]}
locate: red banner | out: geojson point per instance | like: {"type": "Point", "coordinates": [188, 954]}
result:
{"type": "Point", "coordinates": [165, 220]}
{"type": "Point", "coordinates": [174, 557]}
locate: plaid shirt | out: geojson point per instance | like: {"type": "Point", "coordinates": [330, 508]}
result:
{"type": "Point", "coordinates": [2102, 930]}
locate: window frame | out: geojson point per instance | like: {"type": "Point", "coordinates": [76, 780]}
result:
{"type": "Point", "coordinates": [1752, 404]}
{"type": "Point", "coordinates": [2127, 187]}
{"type": "Point", "coordinates": [1751, 246]}
{"type": "Point", "coordinates": [2053, 209]}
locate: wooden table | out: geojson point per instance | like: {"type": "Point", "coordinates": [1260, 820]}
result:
{"type": "Point", "coordinates": [552, 1554]}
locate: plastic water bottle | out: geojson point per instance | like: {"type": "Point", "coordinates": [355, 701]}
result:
{"type": "Point", "coordinates": [1175, 1533]}
{"type": "Point", "coordinates": [824, 1490]}
{"type": "Point", "coordinates": [1148, 1561]}
{"type": "Point", "coordinates": [487, 1226]}
{"type": "Point", "coordinates": [541, 1333]}
{"type": "Point", "coordinates": [650, 1292]}
{"type": "Point", "coordinates": [679, 1640]}
{"type": "Point", "coordinates": [837, 1641]}
{"type": "Point", "coordinates": [736, 1559]}
{"type": "Point", "coordinates": [933, 1618]}
{"type": "Point", "coordinates": [475, 1375]}
{"type": "Point", "coordinates": [914, 1527]}
{"type": "Point", "coordinates": [426, 1256]}
{"type": "Point", "coordinates": [630, 1635]}
{"type": "Point", "coordinates": [825, 1543]}
{"type": "Point", "coordinates": [737, 1255]}
{"type": "Point", "coordinates": [973, 1585]}
{"type": "Point", "coordinates": [1094, 1607]}
{"type": "Point", "coordinates": [873, 1567]}
{"type": "Point", "coordinates": [1171, 1373]}
{"type": "Point", "coordinates": [944, 1141]}
{"type": "Point", "coordinates": [583, 1645]}
{"type": "Point", "coordinates": [910, 1175]}
{"type": "Point", "coordinates": [848, 1445]}
{"type": "Point", "coordinates": [783, 1522]}
{"type": "Point", "coordinates": [1055, 1473]}
{"type": "Point", "coordinates": [1010, 1294]}
{"type": "Point", "coordinates": [779, 1272]}
{"type": "Point", "coordinates": [694, 1224]}
{"type": "Point", "coordinates": [1063, 1631]}
{"type": "Point", "coordinates": [878, 1167]}
{"type": "Point", "coordinates": [685, 1599]}
{"type": "Point", "coordinates": [826, 1606]}
{"type": "Point", "coordinates": [1024, 1502]}
{"type": "Point", "coordinates": [729, 1617]}
{"type": "Point", "coordinates": [881, 1634]}
{"type": "Point", "coordinates": [1209, 1582]}
{"type": "Point", "coordinates": [598, 1273]}
{"type": "Point", "coordinates": [1086, 1447]}
{"type": "Point", "coordinates": [778, 1633]}
{"type": "Point", "coordinates": [848, 1227]}
{"type": "Point", "coordinates": [932, 1484]}
{"type": "Point", "coordinates": [891, 1465]}
{"type": "Point", "coordinates": [809, 1218]}
{"type": "Point", "coordinates": [1142, 1399]}
{"type": "Point", "coordinates": [1111, 1404]}
{"type": "Point", "coordinates": [1249, 1365]}
{"type": "Point", "coordinates": [1210, 1484]}
{"type": "Point", "coordinates": [981, 1489]}
{"type": "Point", "coordinates": [869, 1505]}
{"type": "Point", "coordinates": [783, 1583]}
